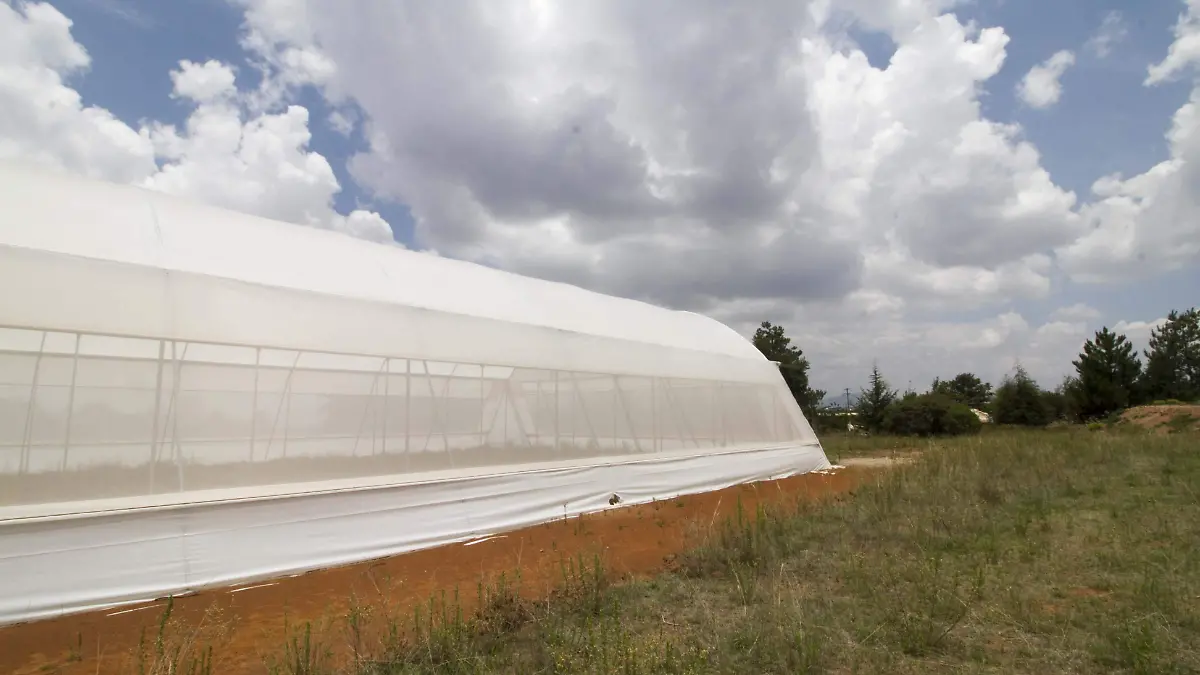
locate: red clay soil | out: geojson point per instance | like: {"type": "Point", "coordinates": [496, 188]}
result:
{"type": "Point", "coordinates": [251, 624]}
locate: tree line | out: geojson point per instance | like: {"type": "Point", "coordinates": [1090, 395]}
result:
{"type": "Point", "coordinates": [1109, 376]}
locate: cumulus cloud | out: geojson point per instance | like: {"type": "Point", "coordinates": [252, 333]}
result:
{"type": "Point", "coordinates": [1149, 223]}
{"type": "Point", "coordinates": [258, 163]}
{"type": "Point", "coordinates": [747, 162]}
{"type": "Point", "coordinates": [1042, 87]}
{"type": "Point", "coordinates": [694, 154]}
{"type": "Point", "coordinates": [42, 119]}
{"type": "Point", "coordinates": [204, 82]}
{"type": "Point", "coordinates": [1184, 51]}
{"type": "Point", "coordinates": [280, 38]}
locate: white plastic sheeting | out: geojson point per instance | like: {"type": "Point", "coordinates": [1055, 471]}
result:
{"type": "Point", "coordinates": [80, 563]}
{"type": "Point", "coordinates": [158, 355]}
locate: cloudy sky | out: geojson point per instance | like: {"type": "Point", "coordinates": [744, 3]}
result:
{"type": "Point", "coordinates": [936, 185]}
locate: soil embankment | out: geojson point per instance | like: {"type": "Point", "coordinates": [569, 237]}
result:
{"type": "Point", "coordinates": [1164, 418]}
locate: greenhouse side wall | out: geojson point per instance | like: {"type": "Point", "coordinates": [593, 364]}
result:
{"type": "Point", "coordinates": [163, 430]}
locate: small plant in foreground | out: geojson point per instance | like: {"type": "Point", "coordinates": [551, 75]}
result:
{"type": "Point", "coordinates": [178, 649]}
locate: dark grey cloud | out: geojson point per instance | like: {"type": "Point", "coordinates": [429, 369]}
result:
{"type": "Point", "coordinates": [670, 135]}
{"type": "Point", "coordinates": [712, 271]}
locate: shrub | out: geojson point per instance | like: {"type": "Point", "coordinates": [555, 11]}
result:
{"type": "Point", "coordinates": [929, 415]}
{"type": "Point", "coordinates": [1057, 406]}
{"type": "Point", "coordinates": [1019, 401]}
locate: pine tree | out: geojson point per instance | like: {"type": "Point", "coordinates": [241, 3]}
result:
{"type": "Point", "coordinates": [1107, 372]}
{"type": "Point", "coordinates": [873, 402]}
{"type": "Point", "coordinates": [777, 346]}
{"type": "Point", "coordinates": [1173, 359]}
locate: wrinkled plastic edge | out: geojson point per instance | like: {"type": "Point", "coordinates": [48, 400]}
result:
{"type": "Point", "coordinates": [69, 566]}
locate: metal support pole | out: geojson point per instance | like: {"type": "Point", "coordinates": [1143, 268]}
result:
{"type": "Point", "coordinates": [254, 407]}
{"type": "Point", "coordinates": [71, 401]}
{"type": "Point", "coordinates": [437, 418]}
{"type": "Point", "coordinates": [158, 392]}
{"type": "Point", "coordinates": [173, 412]}
{"type": "Point", "coordinates": [517, 415]}
{"type": "Point", "coordinates": [367, 410]}
{"type": "Point", "coordinates": [586, 417]}
{"type": "Point", "coordinates": [637, 443]}
{"type": "Point", "coordinates": [407, 412]}
{"type": "Point", "coordinates": [498, 393]}
{"type": "Point", "coordinates": [27, 443]}
{"type": "Point", "coordinates": [557, 444]}
{"type": "Point", "coordinates": [387, 410]}
{"type": "Point", "coordinates": [654, 412]}
{"type": "Point", "coordinates": [285, 400]}
{"type": "Point", "coordinates": [687, 428]}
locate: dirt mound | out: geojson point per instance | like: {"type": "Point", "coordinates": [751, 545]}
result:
{"type": "Point", "coordinates": [633, 540]}
{"type": "Point", "coordinates": [1174, 418]}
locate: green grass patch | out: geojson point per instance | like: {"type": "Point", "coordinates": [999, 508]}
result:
{"type": "Point", "coordinates": [1010, 551]}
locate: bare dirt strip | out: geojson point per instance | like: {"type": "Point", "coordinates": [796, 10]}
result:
{"type": "Point", "coordinates": [250, 624]}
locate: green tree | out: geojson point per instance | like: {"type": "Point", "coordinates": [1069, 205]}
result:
{"type": "Point", "coordinates": [1058, 400]}
{"type": "Point", "coordinates": [1173, 359]}
{"type": "Point", "coordinates": [966, 388]}
{"type": "Point", "coordinates": [873, 402]}
{"type": "Point", "coordinates": [929, 415]}
{"type": "Point", "coordinates": [777, 346]}
{"type": "Point", "coordinates": [1107, 371]}
{"type": "Point", "coordinates": [1020, 401]}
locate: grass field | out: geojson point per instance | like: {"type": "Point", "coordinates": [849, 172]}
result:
{"type": "Point", "coordinates": [1067, 551]}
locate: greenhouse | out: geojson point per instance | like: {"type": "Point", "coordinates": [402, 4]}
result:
{"type": "Point", "coordinates": [192, 397]}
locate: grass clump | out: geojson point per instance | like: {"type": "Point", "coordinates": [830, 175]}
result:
{"type": "Point", "coordinates": [179, 647]}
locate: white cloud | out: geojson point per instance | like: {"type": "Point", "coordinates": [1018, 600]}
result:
{"type": "Point", "coordinates": [258, 165]}
{"type": "Point", "coordinates": [745, 162]}
{"type": "Point", "coordinates": [280, 34]}
{"type": "Point", "coordinates": [1077, 312]}
{"type": "Point", "coordinates": [1112, 31]}
{"type": "Point", "coordinates": [343, 122]}
{"type": "Point", "coordinates": [585, 146]}
{"type": "Point", "coordinates": [1042, 87]}
{"type": "Point", "coordinates": [125, 11]}
{"type": "Point", "coordinates": [254, 163]}
{"type": "Point", "coordinates": [1138, 332]}
{"type": "Point", "coordinates": [204, 82]}
{"type": "Point", "coordinates": [1149, 223]}
{"type": "Point", "coordinates": [41, 118]}
{"type": "Point", "coordinates": [1184, 51]}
